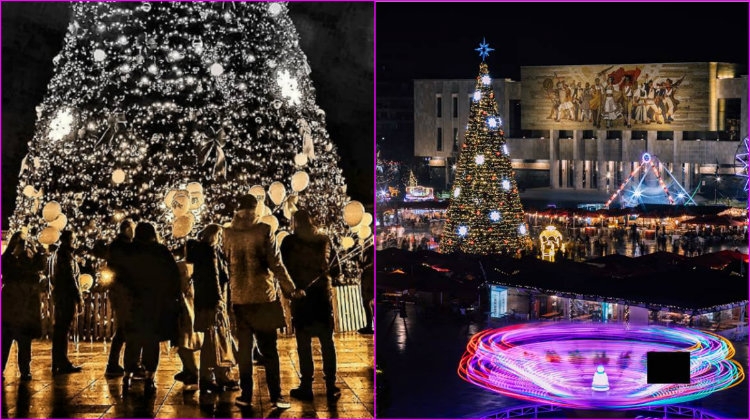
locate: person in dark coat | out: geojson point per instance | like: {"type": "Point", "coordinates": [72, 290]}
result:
{"type": "Point", "coordinates": [310, 261]}
{"type": "Point", "coordinates": [210, 279]}
{"type": "Point", "coordinates": [67, 297]}
{"type": "Point", "coordinates": [116, 253]}
{"type": "Point", "coordinates": [151, 279]}
{"type": "Point", "coordinates": [255, 275]}
{"type": "Point", "coordinates": [22, 312]}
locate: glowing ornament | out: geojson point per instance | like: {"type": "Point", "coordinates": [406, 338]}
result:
{"type": "Point", "coordinates": [463, 231]}
{"type": "Point", "coordinates": [486, 80]}
{"type": "Point", "coordinates": [522, 229]}
{"type": "Point", "coordinates": [180, 203]}
{"type": "Point", "coordinates": [347, 242]}
{"type": "Point", "coordinates": [118, 176]}
{"type": "Point", "coordinates": [183, 225]}
{"type": "Point", "coordinates": [85, 282]}
{"type": "Point", "coordinates": [492, 122]}
{"type": "Point", "coordinates": [364, 232]}
{"type": "Point", "coordinates": [216, 69]}
{"type": "Point", "coordinates": [271, 221]}
{"type": "Point", "coordinates": [495, 216]}
{"type": "Point", "coordinates": [479, 159]}
{"type": "Point", "coordinates": [99, 55]}
{"type": "Point", "coordinates": [153, 69]}
{"type": "Point", "coordinates": [288, 87]}
{"type": "Point", "coordinates": [300, 159]}
{"type": "Point", "coordinates": [146, 6]}
{"type": "Point", "coordinates": [366, 219]}
{"type": "Point", "coordinates": [506, 185]}
{"type": "Point", "coordinates": [51, 210]}
{"type": "Point", "coordinates": [456, 192]}
{"type": "Point", "coordinates": [477, 96]}
{"type": "Point", "coordinates": [122, 40]}
{"type": "Point", "coordinates": [29, 191]}
{"type": "Point", "coordinates": [106, 277]}
{"type": "Point", "coordinates": [258, 192]}
{"type": "Point", "coordinates": [505, 149]}
{"type": "Point", "coordinates": [300, 180]}
{"type": "Point", "coordinates": [59, 223]}
{"type": "Point", "coordinates": [277, 192]}
{"type": "Point", "coordinates": [48, 236]}
{"type": "Point", "coordinates": [274, 9]}
{"type": "Point", "coordinates": [61, 125]}
{"type": "Point", "coordinates": [354, 211]}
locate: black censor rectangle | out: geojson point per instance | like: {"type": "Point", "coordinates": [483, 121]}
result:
{"type": "Point", "coordinates": [668, 367]}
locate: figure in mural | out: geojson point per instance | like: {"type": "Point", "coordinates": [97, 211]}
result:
{"type": "Point", "coordinates": [639, 103]}
{"type": "Point", "coordinates": [652, 111]}
{"type": "Point", "coordinates": [551, 92]}
{"type": "Point", "coordinates": [612, 110]}
{"type": "Point", "coordinates": [627, 100]}
{"type": "Point", "coordinates": [566, 109]}
{"type": "Point", "coordinates": [577, 99]}
{"type": "Point", "coordinates": [596, 101]}
{"type": "Point", "coordinates": [586, 103]}
{"type": "Point", "coordinates": [669, 100]}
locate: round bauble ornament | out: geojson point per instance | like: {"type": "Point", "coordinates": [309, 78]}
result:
{"type": "Point", "coordinates": [180, 204]}
{"type": "Point", "coordinates": [118, 176]}
{"type": "Point", "coordinates": [364, 232]}
{"type": "Point", "coordinates": [48, 236]}
{"type": "Point", "coordinates": [347, 242]}
{"type": "Point", "coordinates": [300, 181]}
{"type": "Point", "coordinates": [183, 225]}
{"type": "Point", "coordinates": [366, 219]}
{"type": "Point", "coordinates": [300, 159]}
{"type": "Point", "coordinates": [277, 192]}
{"type": "Point", "coordinates": [353, 213]}
{"type": "Point", "coordinates": [59, 223]}
{"type": "Point", "coordinates": [258, 192]}
{"type": "Point", "coordinates": [99, 55]}
{"type": "Point", "coordinates": [271, 221]}
{"type": "Point", "coordinates": [51, 210]}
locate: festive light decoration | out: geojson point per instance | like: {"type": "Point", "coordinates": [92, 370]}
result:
{"type": "Point", "coordinates": [485, 206]}
{"type": "Point", "coordinates": [550, 241]}
{"type": "Point", "coordinates": [484, 49]}
{"type": "Point", "coordinates": [645, 185]}
{"type": "Point", "coordinates": [741, 160]}
{"type": "Point", "coordinates": [555, 363]}
{"type": "Point", "coordinates": [148, 97]}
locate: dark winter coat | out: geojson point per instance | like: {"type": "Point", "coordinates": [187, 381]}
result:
{"type": "Point", "coordinates": [151, 280]}
{"type": "Point", "coordinates": [308, 260]}
{"type": "Point", "coordinates": [22, 310]}
{"type": "Point", "coordinates": [254, 266]}
{"type": "Point", "coordinates": [64, 272]}
{"type": "Point", "coordinates": [209, 279]}
{"type": "Point", "coordinates": [116, 254]}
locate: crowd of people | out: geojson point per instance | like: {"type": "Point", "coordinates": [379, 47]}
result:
{"type": "Point", "coordinates": [223, 285]}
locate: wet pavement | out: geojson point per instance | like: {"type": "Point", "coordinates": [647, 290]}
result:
{"type": "Point", "coordinates": [419, 357]}
{"type": "Point", "coordinates": [90, 395]}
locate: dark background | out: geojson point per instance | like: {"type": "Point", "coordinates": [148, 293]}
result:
{"type": "Point", "coordinates": [336, 37]}
{"type": "Point", "coordinates": [437, 41]}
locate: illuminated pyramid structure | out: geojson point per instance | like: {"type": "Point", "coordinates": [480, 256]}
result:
{"type": "Point", "coordinates": [651, 183]}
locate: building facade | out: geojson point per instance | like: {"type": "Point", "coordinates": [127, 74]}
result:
{"type": "Point", "coordinates": [587, 126]}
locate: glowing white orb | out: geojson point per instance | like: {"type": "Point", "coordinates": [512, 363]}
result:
{"type": "Point", "coordinates": [99, 55]}
{"type": "Point", "coordinates": [495, 216]}
{"type": "Point", "coordinates": [506, 184]}
{"type": "Point", "coordinates": [274, 9]}
{"type": "Point", "coordinates": [463, 231]}
{"type": "Point", "coordinates": [522, 229]}
{"type": "Point", "coordinates": [479, 159]}
{"type": "Point", "coordinates": [477, 96]}
{"type": "Point", "coordinates": [486, 80]}
{"type": "Point", "coordinates": [216, 69]}
{"type": "Point", "coordinates": [492, 122]}
{"type": "Point", "coordinates": [456, 192]}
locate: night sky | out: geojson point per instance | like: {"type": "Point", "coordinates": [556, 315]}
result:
{"type": "Point", "coordinates": [425, 41]}
{"type": "Point", "coordinates": [336, 37]}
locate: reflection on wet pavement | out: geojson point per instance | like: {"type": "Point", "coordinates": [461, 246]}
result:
{"type": "Point", "coordinates": [90, 395]}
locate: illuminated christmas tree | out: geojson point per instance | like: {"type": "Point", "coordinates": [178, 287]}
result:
{"type": "Point", "coordinates": [168, 112]}
{"type": "Point", "coordinates": [485, 214]}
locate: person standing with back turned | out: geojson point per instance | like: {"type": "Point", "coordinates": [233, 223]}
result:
{"type": "Point", "coordinates": [311, 261]}
{"type": "Point", "coordinates": [255, 274]}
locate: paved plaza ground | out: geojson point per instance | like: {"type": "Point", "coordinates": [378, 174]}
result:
{"type": "Point", "coordinates": [90, 395]}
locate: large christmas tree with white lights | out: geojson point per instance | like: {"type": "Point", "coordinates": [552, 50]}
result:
{"type": "Point", "coordinates": [485, 214]}
{"type": "Point", "coordinates": [168, 112]}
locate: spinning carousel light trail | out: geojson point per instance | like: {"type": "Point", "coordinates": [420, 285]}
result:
{"type": "Point", "coordinates": [555, 363]}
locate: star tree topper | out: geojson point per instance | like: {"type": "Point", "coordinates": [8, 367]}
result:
{"type": "Point", "coordinates": [484, 49]}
